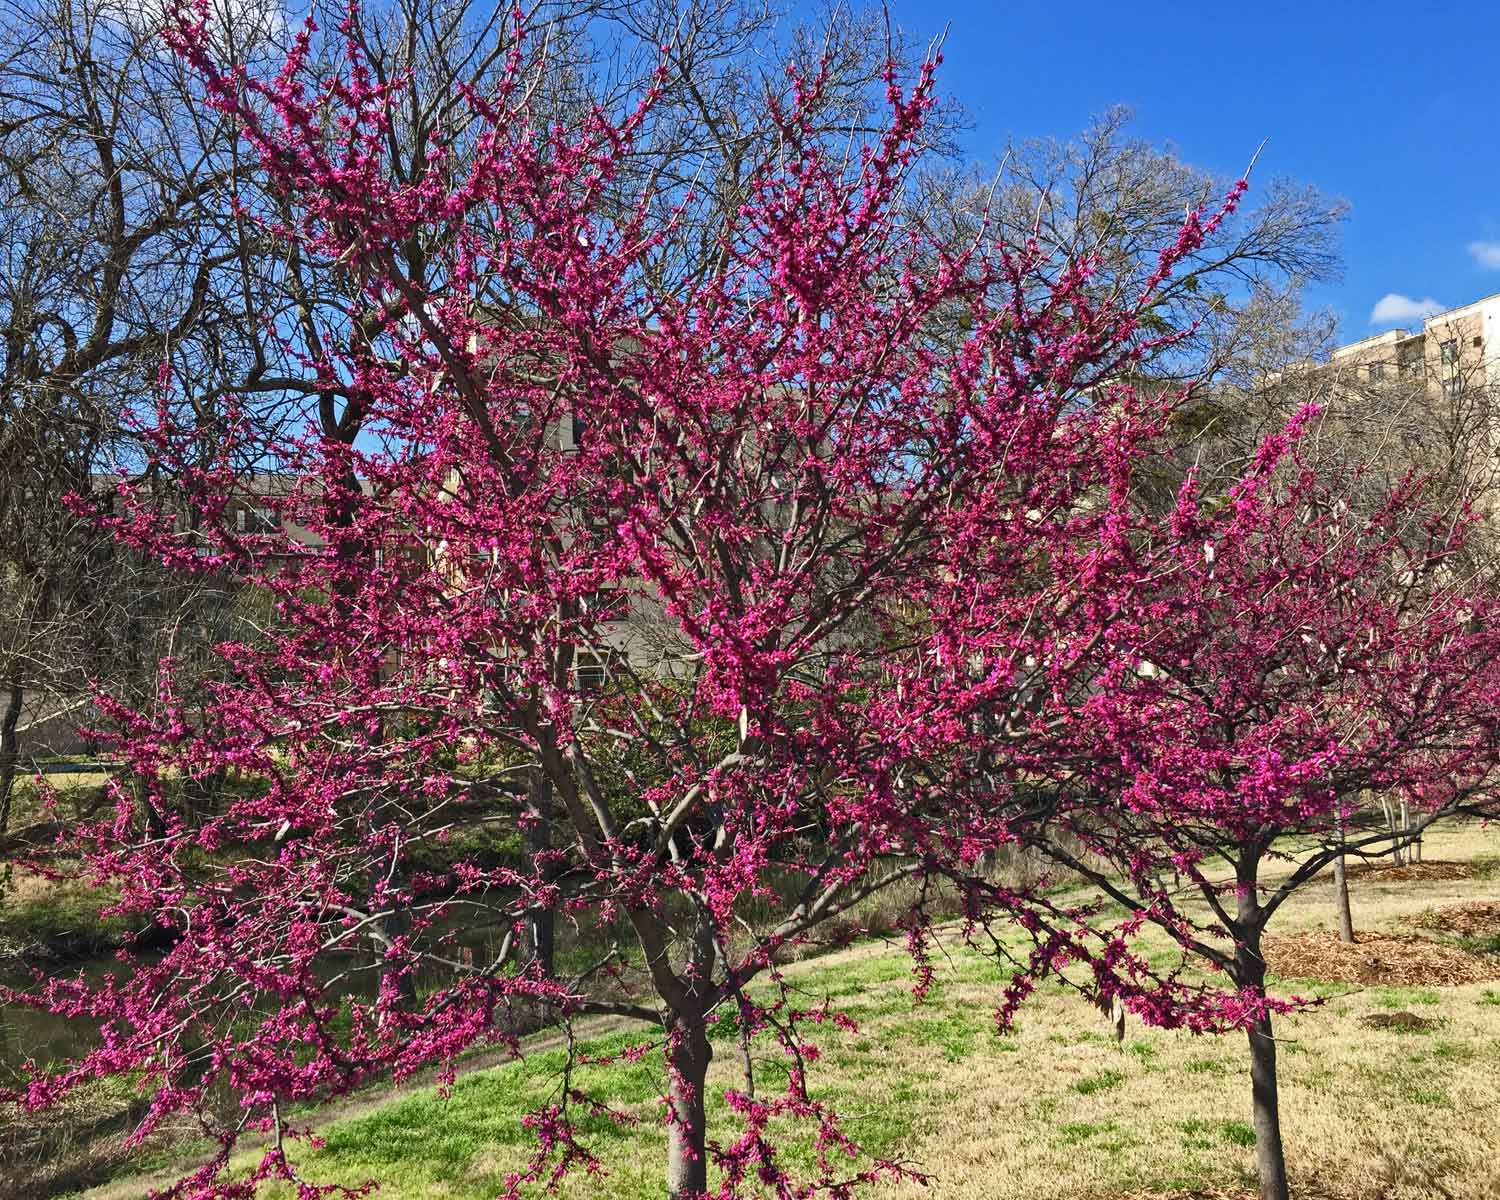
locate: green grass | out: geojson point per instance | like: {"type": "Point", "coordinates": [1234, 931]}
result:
{"type": "Point", "coordinates": [1104, 1137]}
{"type": "Point", "coordinates": [1202, 1134]}
{"type": "Point", "coordinates": [1405, 997]}
{"type": "Point", "coordinates": [951, 1033]}
{"type": "Point", "coordinates": [1195, 1134]}
{"type": "Point", "coordinates": [1412, 1030]}
{"type": "Point", "coordinates": [1322, 989]}
{"type": "Point", "coordinates": [61, 922]}
{"type": "Point", "coordinates": [1480, 943]}
{"type": "Point", "coordinates": [1075, 1133]}
{"type": "Point", "coordinates": [421, 1144]}
{"type": "Point", "coordinates": [1099, 1081]}
{"type": "Point", "coordinates": [1052, 1108]}
{"type": "Point", "coordinates": [1453, 1052]}
{"type": "Point", "coordinates": [462, 1147]}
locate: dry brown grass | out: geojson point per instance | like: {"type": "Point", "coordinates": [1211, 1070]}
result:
{"type": "Point", "coordinates": [1368, 1114]}
{"type": "Point", "coordinates": [1056, 1111]}
{"type": "Point", "coordinates": [1010, 1127]}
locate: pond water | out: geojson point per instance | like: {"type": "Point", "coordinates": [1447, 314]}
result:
{"type": "Point", "coordinates": [29, 1034]}
{"type": "Point", "coordinates": [26, 1034]}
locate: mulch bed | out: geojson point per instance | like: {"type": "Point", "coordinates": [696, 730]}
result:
{"type": "Point", "coordinates": [1393, 959]}
{"type": "Point", "coordinates": [1434, 871]}
{"type": "Point", "coordinates": [1473, 918]}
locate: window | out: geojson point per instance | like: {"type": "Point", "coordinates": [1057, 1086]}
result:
{"type": "Point", "coordinates": [591, 671]}
{"type": "Point", "coordinates": [248, 519]}
{"type": "Point", "coordinates": [1377, 372]}
{"type": "Point", "coordinates": [1451, 378]}
{"type": "Point", "coordinates": [605, 604]}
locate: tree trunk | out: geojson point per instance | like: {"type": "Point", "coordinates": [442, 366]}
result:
{"type": "Point", "coordinates": [541, 927]}
{"type": "Point", "coordinates": [395, 924]}
{"type": "Point", "coordinates": [1341, 891]}
{"type": "Point", "coordinates": [140, 790]}
{"type": "Point", "coordinates": [1341, 898]}
{"type": "Point", "coordinates": [10, 750]}
{"type": "Point", "coordinates": [1270, 1159]}
{"type": "Point", "coordinates": [1413, 854]}
{"type": "Point", "coordinates": [687, 1163]}
{"type": "Point", "coordinates": [1250, 975]}
{"type": "Point", "coordinates": [1390, 824]}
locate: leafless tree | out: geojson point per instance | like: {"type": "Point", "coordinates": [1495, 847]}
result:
{"type": "Point", "coordinates": [113, 261]}
{"type": "Point", "coordinates": [1113, 199]}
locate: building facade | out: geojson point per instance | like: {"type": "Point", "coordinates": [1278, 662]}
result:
{"type": "Point", "coordinates": [1455, 349]}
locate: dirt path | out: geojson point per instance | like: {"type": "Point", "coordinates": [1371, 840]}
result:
{"type": "Point", "coordinates": [360, 1103]}
{"type": "Point", "coordinates": [376, 1095]}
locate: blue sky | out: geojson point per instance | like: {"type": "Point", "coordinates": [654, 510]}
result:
{"type": "Point", "coordinates": [1392, 107]}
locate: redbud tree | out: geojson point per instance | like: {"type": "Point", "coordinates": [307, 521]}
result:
{"type": "Point", "coordinates": [733, 571]}
{"type": "Point", "coordinates": [1272, 656]}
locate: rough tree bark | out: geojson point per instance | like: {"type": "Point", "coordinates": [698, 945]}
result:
{"type": "Point", "coordinates": [688, 1056]}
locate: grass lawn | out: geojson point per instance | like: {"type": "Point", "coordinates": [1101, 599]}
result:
{"type": "Point", "coordinates": [1053, 1109]}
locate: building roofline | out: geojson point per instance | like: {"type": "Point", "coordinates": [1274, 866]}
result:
{"type": "Point", "coordinates": [1386, 336]}
{"type": "Point", "coordinates": [1462, 310]}
{"type": "Point", "coordinates": [1436, 320]}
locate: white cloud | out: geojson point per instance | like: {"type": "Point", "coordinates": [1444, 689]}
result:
{"type": "Point", "coordinates": [1486, 254]}
{"type": "Point", "coordinates": [1395, 309]}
